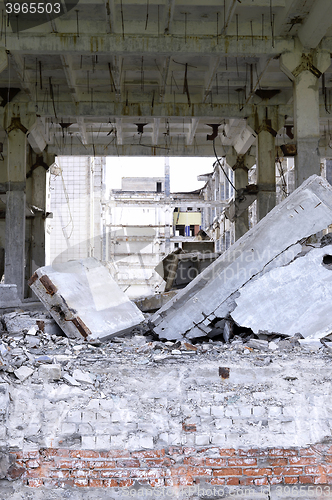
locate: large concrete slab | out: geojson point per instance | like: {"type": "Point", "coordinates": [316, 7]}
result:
{"type": "Point", "coordinates": [84, 300]}
{"type": "Point", "coordinates": [274, 241]}
{"type": "Point", "coordinates": [291, 299]}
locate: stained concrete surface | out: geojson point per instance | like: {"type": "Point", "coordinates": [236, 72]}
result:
{"type": "Point", "coordinates": [291, 299]}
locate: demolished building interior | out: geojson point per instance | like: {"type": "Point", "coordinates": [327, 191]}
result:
{"type": "Point", "coordinates": [157, 343]}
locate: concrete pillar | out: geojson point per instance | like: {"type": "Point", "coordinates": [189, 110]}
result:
{"type": "Point", "coordinates": [265, 123]}
{"type": "Point", "coordinates": [37, 197]}
{"type": "Point", "coordinates": [266, 173]}
{"type": "Point", "coordinates": [16, 121]}
{"type": "Point", "coordinates": [305, 69]}
{"type": "Point", "coordinates": [15, 209]}
{"type": "Point", "coordinates": [240, 163]}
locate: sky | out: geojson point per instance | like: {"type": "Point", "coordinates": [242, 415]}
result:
{"type": "Point", "coordinates": [183, 171]}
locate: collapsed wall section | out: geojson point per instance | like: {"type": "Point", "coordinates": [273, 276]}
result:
{"type": "Point", "coordinates": [274, 241]}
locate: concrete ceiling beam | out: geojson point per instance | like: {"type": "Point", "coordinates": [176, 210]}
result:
{"type": "Point", "coordinates": [146, 44]}
{"type": "Point", "coordinates": [316, 25]}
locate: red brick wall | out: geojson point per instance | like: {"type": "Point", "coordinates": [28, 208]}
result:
{"type": "Point", "coordinates": [176, 466]}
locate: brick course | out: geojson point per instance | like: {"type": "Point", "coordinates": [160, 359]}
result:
{"type": "Point", "coordinates": [175, 466]}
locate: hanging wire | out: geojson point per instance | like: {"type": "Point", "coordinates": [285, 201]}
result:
{"type": "Point", "coordinates": [222, 168]}
{"type": "Point", "coordinates": [67, 200]}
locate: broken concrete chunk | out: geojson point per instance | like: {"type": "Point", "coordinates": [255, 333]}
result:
{"type": "Point", "coordinates": [274, 241]}
{"type": "Point", "coordinates": [23, 373]}
{"type": "Point", "coordinates": [18, 322]}
{"type": "Point", "coordinates": [70, 380]}
{"type": "Point", "coordinates": [290, 299]}
{"type": "Point", "coordinates": [84, 377]}
{"type": "Point", "coordinates": [50, 372]}
{"type": "Point", "coordinates": [84, 300]}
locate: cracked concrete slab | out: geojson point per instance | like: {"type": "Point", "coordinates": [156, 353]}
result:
{"type": "Point", "coordinates": [295, 298]}
{"type": "Point", "coordinates": [274, 241]}
{"type": "Point", "coordinates": [84, 300]}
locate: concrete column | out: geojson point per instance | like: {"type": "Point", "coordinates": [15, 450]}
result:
{"type": "Point", "coordinates": [15, 210]}
{"type": "Point", "coordinates": [305, 70]}
{"type": "Point", "coordinates": [37, 197]}
{"type": "Point", "coordinates": [17, 120]}
{"type": "Point", "coordinates": [265, 123]}
{"type": "Point", "coordinates": [242, 221]}
{"type": "Point", "coordinates": [266, 173]}
{"type": "Point", "coordinates": [240, 163]}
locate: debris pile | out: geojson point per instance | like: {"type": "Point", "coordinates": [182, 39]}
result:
{"type": "Point", "coordinates": [41, 357]}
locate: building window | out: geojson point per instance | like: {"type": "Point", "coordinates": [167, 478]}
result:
{"type": "Point", "coordinates": [158, 187]}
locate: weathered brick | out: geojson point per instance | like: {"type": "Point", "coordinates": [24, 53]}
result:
{"type": "Point", "coordinates": [59, 474]}
{"type": "Point", "coordinates": [179, 481]}
{"type": "Point", "coordinates": [199, 471]}
{"type": "Point", "coordinates": [127, 463]}
{"type": "Point", "coordinates": [35, 483]}
{"type": "Point", "coordinates": [261, 481]}
{"type": "Point", "coordinates": [291, 480]}
{"type": "Point", "coordinates": [125, 483]}
{"type": "Point", "coordinates": [147, 473]}
{"type": "Point", "coordinates": [257, 472]}
{"type": "Point", "coordinates": [246, 481]}
{"type": "Point", "coordinates": [253, 452]}
{"type": "Point", "coordinates": [195, 461]}
{"type": "Point", "coordinates": [148, 453]}
{"type": "Point", "coordinates": [232, 481]}
{"type": "Point", "coordinates": [110, 483]}
{"type": "Point", "coordinates": [242, 461]}
{"type": "Point", "coordinates": [96, 483]}
{"type": "Point", "coordinates": [113, 454]}
{"type": "Point", "coordinates": [276, 480]}
{"type": "Point", "coordinates": [224, 452]}
{"type": "Point", "coordinates": [84, 454]}
{"type": "Point", "coordinates": [288, 471]}
{"type": "Point", "coordinates": [109, 473]}
{"type": "Point", "coordinates": [306, 479]}
{"type": "Point", "coordinates": [227, 471]}
{"type": "Point", "coordinates": [216, 462]}
{"type": "Point", "coordinates": [219, 480]}
{"type": "Point", "coordinates": [101, 464]}
{"type": "Point", "coordinates": [280, 452]}
{"type": "Point", "coordinates": [81, 483]}
{"type": "Point", "coordinates": [277, 461]}
{"type": "Point", "coordinates": [302, 460]}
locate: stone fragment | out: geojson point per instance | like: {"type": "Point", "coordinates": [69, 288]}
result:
{"type": "Point", "coordinates": [84, 300]}
{"type": "Point", "coordinates": [261, 345]}
{"type": "Point", "coordinates": [70, 380]}
{"type": "Point", "coordinates": [33, 330]}
{"type": "Point", "coordinates": [84, 377]}
{"type": "Point", "coordinates": [23, 373]}
{"type": "Point", "coordinates": [50, 372]}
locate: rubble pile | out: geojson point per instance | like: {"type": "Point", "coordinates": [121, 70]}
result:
{"type": "Point", "coordinates": [42, 357]}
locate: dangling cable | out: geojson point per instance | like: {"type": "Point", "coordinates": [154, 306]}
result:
{"type": "Point", "coordinates": [222, 168]}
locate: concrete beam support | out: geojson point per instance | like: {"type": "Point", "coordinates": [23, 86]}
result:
{"type": "Point", "coordinates": [305, 70]}
{"type": "Point", "coordinates": [15, 211]}
{"type": "Point", "coordinates": [266, 173]}
{"type": "Point", "coordinates": [241, 165]}
{"type": "Point", "coordinates": [16, 122]}
{"type": "Point", "coordinates": [265, 124]}
{"type": "Point", "coordinates": [38, 199]}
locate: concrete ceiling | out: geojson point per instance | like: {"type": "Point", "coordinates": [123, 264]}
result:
{"type": "Point", "coordinates": [146, 77]}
